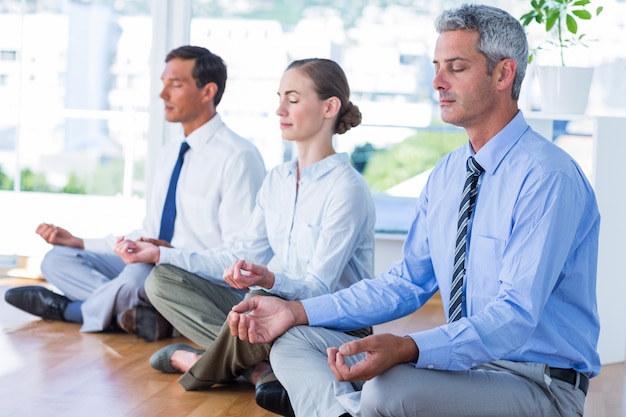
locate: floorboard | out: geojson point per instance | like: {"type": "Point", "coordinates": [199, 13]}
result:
{"type": "Point", "coordinates": [51, 369]}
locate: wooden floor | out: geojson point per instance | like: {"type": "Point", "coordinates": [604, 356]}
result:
{"type": "Point", "coordinates": [51, 369]}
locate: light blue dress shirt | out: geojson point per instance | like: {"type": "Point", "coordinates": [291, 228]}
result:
{"type": "Point", "coordinates": [319, 232]}
{"type": "Point", "coordinates": [530, 287]}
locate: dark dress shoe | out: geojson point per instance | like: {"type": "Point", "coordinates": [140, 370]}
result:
{"type": "Point", "coordinates": [273, 397]}
{"type": "Point", "coordinates": [146, 323]}
{"type": "Point", "coordinates": [38, 301]}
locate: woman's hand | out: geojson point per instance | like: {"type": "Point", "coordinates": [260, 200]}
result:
{"type": "Point", "coordinates": [243, 274]}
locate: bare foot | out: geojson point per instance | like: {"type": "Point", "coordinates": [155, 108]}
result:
{"type": "Point", "coordinates": [183, 360]}
{"type": "Point", "coordinates": [259, 370]}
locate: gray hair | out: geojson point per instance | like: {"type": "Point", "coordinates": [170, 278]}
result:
{"type": "Point", "coordinates": [501, 36]}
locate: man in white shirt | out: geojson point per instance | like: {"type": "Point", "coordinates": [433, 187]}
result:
{"type": "Point", "coordinates": [215, 195]}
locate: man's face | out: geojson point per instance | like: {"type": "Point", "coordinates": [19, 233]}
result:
{"type": "Point", "coordinates": [184, 102]}
{"type": "Point", "coordinates": [466, 91]}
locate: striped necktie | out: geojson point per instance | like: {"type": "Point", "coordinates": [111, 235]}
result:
{"type": "Point", "coordinates": [470, 190]}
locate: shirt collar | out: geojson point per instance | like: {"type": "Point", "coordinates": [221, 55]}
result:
{"type": "Point", "coordinates": [494, 151]}
{"type": "Point", "coordinates": [318, 169]}
{"type": "Point", "coordinates": [204, 133]}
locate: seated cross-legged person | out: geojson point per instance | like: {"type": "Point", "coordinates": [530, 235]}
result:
{"type": "Point", "coordinates": [213, 199]}
{"type": "Point", "coordinates": [506, 229]}
{"type": "Point", "coordinates": [314, 217]}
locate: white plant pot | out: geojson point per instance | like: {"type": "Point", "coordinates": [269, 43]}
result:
{"type": "Point", "coordinates": [564, 89]}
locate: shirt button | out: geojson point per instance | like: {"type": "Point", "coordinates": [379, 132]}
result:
{"type": "Point", "coordinates": [431, 366]}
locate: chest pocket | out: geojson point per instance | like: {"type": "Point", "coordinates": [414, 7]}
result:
{"type": "Point", "coordinates": [483, 270]}
{"type": "Point", "coordinates": [304, 240]}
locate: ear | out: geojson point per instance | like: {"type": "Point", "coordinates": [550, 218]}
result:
{"type": "Point", "coordinates": [505, 74]}
{"type": "Point", "coordinates": [208, 92]}
{"type": "Point", "coordinates": [332, 107]}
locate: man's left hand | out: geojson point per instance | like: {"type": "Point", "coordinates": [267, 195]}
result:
{"type": "Point", "coordinates": [382, 352]}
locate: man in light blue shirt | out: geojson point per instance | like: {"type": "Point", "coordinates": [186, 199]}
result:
{"type": "Point", "coordinates": [526, 342]}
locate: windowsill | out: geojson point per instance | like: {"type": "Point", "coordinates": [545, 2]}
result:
{"type": "Point", "coordinates": [393, 216]}
{"type": "Point", "coordinates": [82, 215]}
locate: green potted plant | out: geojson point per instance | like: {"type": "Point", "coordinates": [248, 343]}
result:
{"type": "Point", "coordinates": [560, 21]}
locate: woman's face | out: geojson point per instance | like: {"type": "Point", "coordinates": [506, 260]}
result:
{"type": "Point", "coordinates": [302, 113]}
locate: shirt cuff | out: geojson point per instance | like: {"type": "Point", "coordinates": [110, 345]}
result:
{"type": "Point", "coordinates": [434, 349]}
{"type": "Point", "coordinates": [320, 310]}
{"type": "Point", "coordinates": [278, 285]}
{"type": "Point", "coordinates": [167, 255]}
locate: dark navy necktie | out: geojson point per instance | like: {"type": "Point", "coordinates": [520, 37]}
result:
{"type": "Point", "coordinates": [169, 208]}
{"type": "Point", "coordinates": [455, 311]}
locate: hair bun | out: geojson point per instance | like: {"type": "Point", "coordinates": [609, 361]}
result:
{"type": "Point", "coordinates": [350, 118]}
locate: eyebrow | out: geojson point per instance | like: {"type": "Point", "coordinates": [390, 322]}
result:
{"type": "Point", "coordinates": [288, 92]}
{"type": "Point", "coordinates": [452, 60]}
{"type": "Point", "coordinates": [172, 79]}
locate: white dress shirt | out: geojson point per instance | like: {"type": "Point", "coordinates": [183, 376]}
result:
{"type": "Point", "coordinates": [216, 191]}
{"type": "Point", "coordinates": [320, 231]}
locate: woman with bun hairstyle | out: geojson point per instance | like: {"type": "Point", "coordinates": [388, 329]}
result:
{"type": "Point", "coordinates": [314, 219]}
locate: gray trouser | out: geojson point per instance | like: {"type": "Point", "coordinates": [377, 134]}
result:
{"type": "Point", "coordinates": [499, 388]}
{"type": "Point", "coordinates": [195, 306]}
{"type": "Point", "coordinates": [105, 284]}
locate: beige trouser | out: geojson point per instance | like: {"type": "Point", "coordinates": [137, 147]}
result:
{"type": "Point", "coordinates": [198, 308]}
{"type": "Point", "coordinates": [195, 306]}
{"type": "Point", "coordinates": [223, 361]}
{"type": "Point", "coordinates": [229, 356]}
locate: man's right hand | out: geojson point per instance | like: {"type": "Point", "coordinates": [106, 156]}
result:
{"type": "Point", "coordinates": [262, 319]}
{"type": "Point", "coordinates": [156, 242]}
{"type": "Point", "coordinates": [137, 251]}
{"type": "Point", "coordinates": [56, 235]}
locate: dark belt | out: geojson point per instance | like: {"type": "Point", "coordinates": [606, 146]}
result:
{"type": "Point", "coordinates": [569, 376]}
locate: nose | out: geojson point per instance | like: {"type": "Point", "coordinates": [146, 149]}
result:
{"type": "Point", "coordinates": [280, 110]}
{"type": "Point", "coordinates": [439, 82]}
{"type": "Point", "coordinates": [163, 93]}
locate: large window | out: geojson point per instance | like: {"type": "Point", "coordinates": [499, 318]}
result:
{"type": "Point", "coordinates": [80, 113]}
{"type": "Point", "coordinates": [74, 96]}
{"type": "Point", "coordinates": [386, 51]}
{"type": "Point", "coordinates": [74, 99]}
